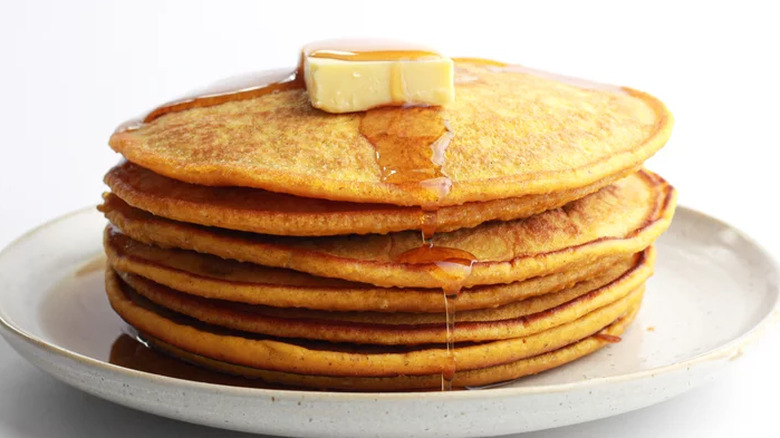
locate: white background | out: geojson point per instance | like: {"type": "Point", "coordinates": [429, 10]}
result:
{"type": "Point", "coordinates": [71, 71]}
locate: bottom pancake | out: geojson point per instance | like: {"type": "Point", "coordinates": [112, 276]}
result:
{"type": "Point", "coordinates": [347, 360]}
{"type": "Point", "coordinates": [474, 378]}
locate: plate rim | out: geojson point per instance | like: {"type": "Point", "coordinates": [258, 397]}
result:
{"type": "Point", "coordinates": [730, 349]}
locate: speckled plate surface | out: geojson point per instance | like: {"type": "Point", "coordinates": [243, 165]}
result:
{"type": "Point", "coordinates": [714, 292]}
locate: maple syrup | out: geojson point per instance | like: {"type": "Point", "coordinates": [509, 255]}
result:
{"type": "Point", "coordinates": [450, 267]}
{"type": "Point", "coordinates": [229, 90]}
{"type": "Point", "coordinates": [410, 145]}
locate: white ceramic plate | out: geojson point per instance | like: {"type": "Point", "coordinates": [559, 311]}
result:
{"type": "Point", "coordinates": [713, 293]}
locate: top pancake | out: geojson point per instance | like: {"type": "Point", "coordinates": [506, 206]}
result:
{"type": "Point", "coordinates": [516, 133]}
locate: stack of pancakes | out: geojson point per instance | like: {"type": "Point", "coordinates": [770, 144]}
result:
{"type": "Point", "coordinates": [255, 235]}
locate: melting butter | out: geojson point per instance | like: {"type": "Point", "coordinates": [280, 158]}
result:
{"type": "Point", "coordinates": [344, 76]}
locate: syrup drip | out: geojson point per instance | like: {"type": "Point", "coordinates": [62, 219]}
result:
{"type": "Point", "coordinates": [450, 267]}
{"type": "Point", "coordinates": [429, 220]}
{"type": "Point", "coordinates": [231, 90]}
{"type": "Point", "coordinates": [450, 365]}
{"type": "Point", "coordinates": [292, 82]}
{"type": "Point", "coordinates": [410, 146]}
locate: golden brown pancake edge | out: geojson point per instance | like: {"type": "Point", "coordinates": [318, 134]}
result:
{"type": "Point", "coordinates": [263, 212]}
{"type": "Point", "coordinates": [273, 354]}
{"type": "Point", "coordinates": [513, 320]}
{"type": "Point", "coordinates": [211, 277]}
{"type": "Point", "coordinates": [473, 378]}
{"type": "Point", "coordinates": [623, 218]}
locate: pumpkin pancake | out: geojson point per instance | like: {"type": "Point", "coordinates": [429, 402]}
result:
{"type": "Point", "coordinates": [337, 359]}
{"type": "Point", "coordinates": [261, 211]}
{"type": "Point", "coordinates": [213, 277]}
{"type": "Point", "coordinates": [620, 219]}
{"type": "Point", "coordinates": [513, 320]}
{"type": "Point", "coordinates": [473, 378]}
{"type": "Point", "coordinates": [511, 132]}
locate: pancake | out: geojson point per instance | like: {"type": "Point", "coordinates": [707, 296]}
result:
{"type": "Point", "coordinates": [213, 277]}
{"type": "Point", "coordinates": [331, 359]}
{"type": "Point", "coordinates": [261, 211]}
{"type": "Point", "coordinates": [513, 320]}
{"type": "Point", "coordinates": [620, 219]}
{"type": "Point", "coordinates": [514, 132]}
{"type": "Point", "coordinates": [473, 378]}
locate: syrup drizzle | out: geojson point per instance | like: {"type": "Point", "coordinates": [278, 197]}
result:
{"type": "Point", "coordinates": [410, 144]}
{"type": "Point", "coordinates": [450, 267]}
{"type": "Point", "coordinates": [234, 89]}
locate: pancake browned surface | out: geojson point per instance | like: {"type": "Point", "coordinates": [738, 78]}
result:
{"type": "Point", "coordinates": [516, 133]}
{"type": "Point", "coordinates": [213, 277]}
{"type": "Point", "coordinates": [620, 219]}
{"type": "Point", "coordinates": [261, 211]}
{"type": "Point", "coordinates": [347, 360]}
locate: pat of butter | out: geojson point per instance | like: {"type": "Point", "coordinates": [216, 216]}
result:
{"type": "Point", "coordinates": [342, 80]}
